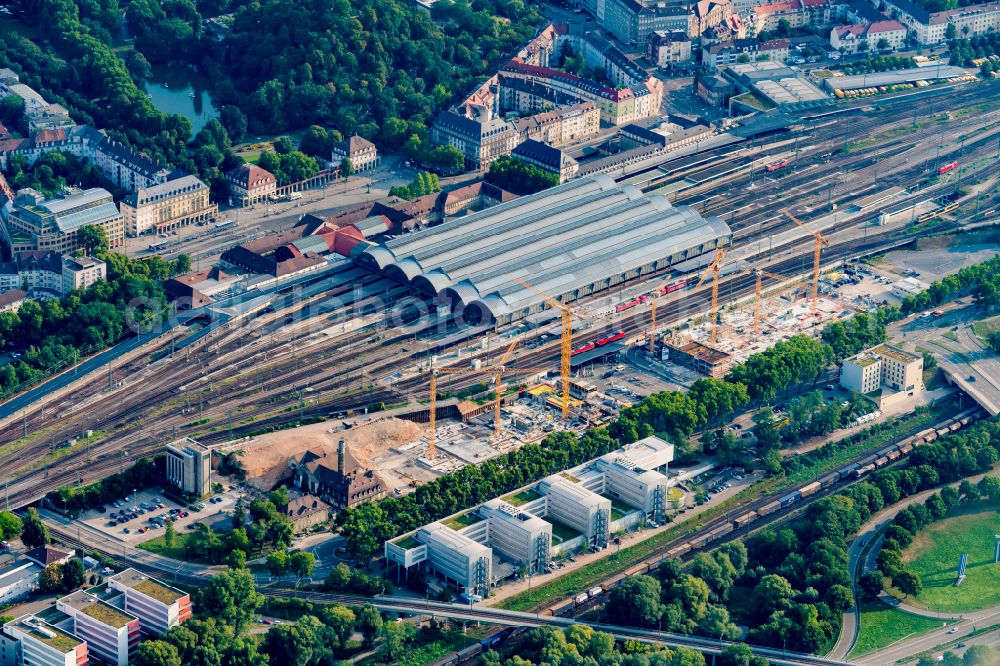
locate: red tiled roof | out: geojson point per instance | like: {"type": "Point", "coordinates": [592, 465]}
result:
{"type": "Point", "coordinates": [250, 175]}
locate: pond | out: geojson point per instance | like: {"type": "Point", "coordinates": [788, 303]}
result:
{"type": "Point", "coordinates": [178, 89]}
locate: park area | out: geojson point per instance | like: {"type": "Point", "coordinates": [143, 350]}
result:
{"type": "Point", "coordinates": [882, 625]}
{"type": "Point", "coordinates": [934, 556]}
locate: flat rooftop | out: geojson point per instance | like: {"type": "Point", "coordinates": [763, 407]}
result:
{"type": "Point", "coordinates": [46, 633]}
{"type": "Point", "coordinates": [148, 586]}
{"type": "Point", "coordinates": [889, 78]}
{"type": "Point", "coordinates": [896, 354]}
{"type": "Point", "coordinates": [99, 610]}
{"type": "Point", "coordinates": [702, 352]}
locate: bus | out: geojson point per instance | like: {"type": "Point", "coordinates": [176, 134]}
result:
{"type": "Point", "coordinates": [227, 224]}
{"type": "Point", "coordinates": [156, 247]}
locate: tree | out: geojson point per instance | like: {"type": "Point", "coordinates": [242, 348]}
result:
{"type": "Point", "coordinates": [346, 168]}
{"type": "Point", "coordinates": [10, 525]}
{"type": "Point", "coordinates": [395, 636]}
{"type": "Point", "coordinates": [73, 574]}
{"type": "Point", "coordinates": [738, 654]}
{"type": "Point", "coordinates": [237, 559]}
{"type": "Point", "coordinates": [156, 653]}
{"type": "Point", "coordinates": [773, 593]}
{"type": "Point", "coordinates": [34, 533]}
{"type": "Point", "coordinates": [302, 563]}
{"type": "Point", "coordinates": [871, 584]}
{"type": "Point", "coordinates": [907, 582]}
{"type": "Point", "coordinates": [51, 579]}
{"type": "Point", "coordinates": [883, 44]}
{"type": "Point", "coordinates": [169, 533]}
{"type": "Point", "coordinates": [277, 563]}
{"type": "Point", "coordinates": [994, 340]}
{"type": "Point", "coordinates": [369, 623]}
{"type": "Point", "coordinates": [520, 177]}
{"type": "Point", "coordinates": [92, 239]}
{"type": "Point", "coordinates": [232, 597]}
{"type": "Point", "coordinates": [341, 620]}
{"type": "Point", "coordinates": [636, 601]}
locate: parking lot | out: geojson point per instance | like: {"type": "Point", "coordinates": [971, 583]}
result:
{"type": "Point", "coordinates": [141, 516]}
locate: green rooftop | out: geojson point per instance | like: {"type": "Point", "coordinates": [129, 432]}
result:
{"type": "Point", "coordinates": [462, 520]}
{"type": "Point", "coordinates": [522, 498]}
{"type": "Point", "coordinates": [58, 639]}
{"type": "Point", "coordinates": [157, 591]}
{"type": "Point", "coordinates": [406, 543]}
{"type": "Point", "coordinates": [106, 614]}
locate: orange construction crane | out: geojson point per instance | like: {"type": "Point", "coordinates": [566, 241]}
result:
{"type": "Point", "coordinates": [652, 313]}
{"type": "Point", "coordinates": [820, 242]}
{"type": "Point", "coordinates": [713, 270]}
{"type": "Point", "coordinates": [760, 273]}
{"type": "Point", "coordinates": [566, 342]}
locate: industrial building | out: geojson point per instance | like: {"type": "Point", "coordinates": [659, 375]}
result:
{"type": "Point", "coordinates": [897, 77]}
{"type": "Point", "coordinates": [570, 241]}
{"type": "Point", "coordinates": [576, 509]}
{"type": "Point", "coordinates": [189, 466]}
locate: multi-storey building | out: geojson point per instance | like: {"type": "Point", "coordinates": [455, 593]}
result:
{"type": "Point", "coordinates": [722, 54]}
{"type": "Point", "coordinates": [547, 158]}
{"type": "Point", "coordinates": [668, 47]}
{"type": "Point", "coordinates": [157, 605]}
{"type": "Point", "coordinates": [359, 150]}
{"type": "Point", "coordinates": [81, 272]}
{"type": "Point", "coordinates": [932, 27]}
{"type": "Point", "coordinates": [30, 641]}
{"type": "Point", "coordinates": [709, 14]}
{"type": "Point", "coordinates": [631, 21]}
{"type": "Point", "coordinates": [521, 537]}
{"type": "Point", "coordinates": [111, 633]}
{"type": "Point", "coordinates": [580, 509]}
{"type": "Point", "coordinates": [18, 579]}
{"type": "Point", "coordinates": [40, 114]}
{"type": "Point", "coordinates": [797, 13]}
{"type": "Point", "coordinates": [248, 184]}
{"type": "Point", "coordinates": [880, 366]}
{"type": "Point", "coordinates": [560, 126]}
{"type": "Point", "coordinates": [128, 168]}
{"type": "Point", "coordinates": [849, 38]}
{"type": "Point", "coordinates": [480, 142]}
{"type": "Point", "coordinates": [189, 466]}
{"type": "Point", "coordinates": [53, 224]}
{"type": "Point", "coordinates": [167, 206]}
{"type": "Point", "coordinates": [461, 560]}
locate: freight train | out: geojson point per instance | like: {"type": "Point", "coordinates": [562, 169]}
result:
{"type": "Point", "coordinates": [856, 470]}
{"type": "Point", "coordinates": [600, 342]}
{"type": "Point", "coordinates": [642, 298]}
{"type": "Point", "coordinates": [474, 650]}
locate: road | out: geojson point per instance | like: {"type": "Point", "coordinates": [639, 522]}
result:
{"type": "Point", "coordinates": [870, 533]}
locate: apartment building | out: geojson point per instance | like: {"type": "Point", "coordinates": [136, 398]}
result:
{"type": "Point", "coordinates": [850, 38]}
{"type": "Point", "coordinates": [111, 633]}
{"type": "Point", "coordinates": [248, 184]}
{"type": "Point", "coordinates": [882, 366]}
{"type": "Point", "coordinates": [81, 272]}
{"type": "Point", "coordinates": [157, 605]}
{"type": "Point", "coordinates": [167, 206]}
{"type": "Point", "coordinates": [722, 54]}
{"type": "Point", "coordinates": [30, 641]}
{"type": "Point", "coordinates": [631, 21]}
{"type": "Point", "coordinates": [52, 224]}
{"type": "Point", "coordinates": [189, 466]}
{"type": "Point", "coordinates": [797, 13]}
{"type": "Point", "coordinates": [931, 27]}
{"type": "Point", "coordinates": [668, 47]}
{"type": "Point", "coordinates": [560, 126]}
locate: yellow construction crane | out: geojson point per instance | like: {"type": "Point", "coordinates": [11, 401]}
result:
{"type": "Point", "coordinates": [760, 273]}
{"type": "Point", "coordinates": [566, 342]}
{"type": "Point", "coordinates": [652, 313]}
{"type": "Point", "coordinates": [499, 370]}
{"type": "Point", "coordinates": [713, 270]}
{"type": "Point", "coordinates": [820, 242]}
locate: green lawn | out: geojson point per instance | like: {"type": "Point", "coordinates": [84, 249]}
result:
{"type": "Point", "coordinates": [462, 521]}
{"type": "Point", "coordinates": [561, 531]}
{"type": "Point", "coordinates": [881, 626]}
{"type": "Point", "coordinates": [984, 328]}
{"type": "Point", "coordinates": [934, 554]}
{"type": "Point", "coordinates": [522, 498]}
{"type": "Point", "coordinates": [156, 545]}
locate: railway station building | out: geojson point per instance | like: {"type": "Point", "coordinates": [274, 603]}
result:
{"type": "Point", "coordinates": [570, 241]}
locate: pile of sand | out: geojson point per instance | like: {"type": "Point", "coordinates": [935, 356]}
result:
{"type": "Point", "coordinates": [266, 457]}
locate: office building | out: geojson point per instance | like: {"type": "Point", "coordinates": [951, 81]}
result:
{"type": "Point", "coordinates": [18, 578]}
{"type": "Point", "coordinates": [189, 466]}
{"type": "Point", "coordinates": [481, 142]}
{"type": "Point", "coordinates": [882, 366]}
{"type": "Point", "coordinates": [37, 223]}
{"type": "Point", "coordinates": [248, 184]}
{"type": "Point", "coordinates": [465, 562]}
{"type": "Point", "coordinates": [167, 206]}
{"type": "Point", "coordinates": [111, 633]}
{"type": "Point", "coordinates": [30, 641]}
{"type": "Point", "coordinates": [360, 151]}
{"type": "Point", "coordinates": [720, 54]}
{"type": "Point", "coordinates": [81, 272]}
{"type": "Point", "coordinates": [157, 605]}
{"type": "Point", "coordinates": [519, 536]}
{"type": "Point", "coordinates": [578, 508]}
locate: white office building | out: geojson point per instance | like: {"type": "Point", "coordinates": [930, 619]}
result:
{"type": "Point", "coordinates": [640, 488]}
{"type": "Point", "coordinates": [30, 641]}
{"type": "Point", "coordinates": [573, 505]}
{"type": "Point", "coordinates": [157, 605]}
{"type": "Point", "coordinates": [519, 536]}
{"type": "Point", "coordinates": [460, 559]}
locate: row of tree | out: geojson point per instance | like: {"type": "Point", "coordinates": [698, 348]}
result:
{"type": "Point", "coordinates": [982, 280]}
{"type": "Point", "coordinates": [145, 472]}
{"type": "Point", "coordinates": [425, 183]}
{"type": "Point", "coordinates": [964, 49]}
{"type": "Point", "coordinates": [53, 171]}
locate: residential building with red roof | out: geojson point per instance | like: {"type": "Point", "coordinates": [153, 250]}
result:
{"type": "Point", "coordinates": [850, 38]}
{"type": "Point", "coordinates": [249, 183]}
